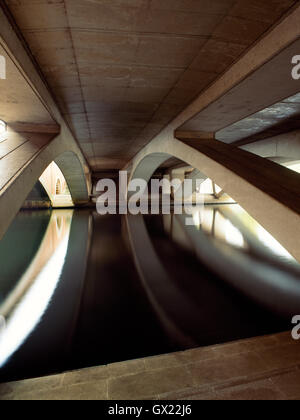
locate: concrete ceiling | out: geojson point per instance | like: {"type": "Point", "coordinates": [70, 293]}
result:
{"type": "Point", "coordinates": [20, 104]}
{"type": "Point", "coordinates": [280, 118]}
{"type": "Point", "coordinates": [122, 69]}
{"type": "Point", "coordinates": [262, 105]}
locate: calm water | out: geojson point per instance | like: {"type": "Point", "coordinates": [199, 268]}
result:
{"type": "Point", "coordinates": [78, 289]}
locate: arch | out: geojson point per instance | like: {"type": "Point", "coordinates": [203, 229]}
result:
{"type": "Point", "coordinates": [148, 165]}
{"type": "Point", "coordinates": [58, 188]}
{"type": "Point", "coordinates": [73, 171]}
{"type": "Point", "coordinates": [25, 164]}
{"type": "Point", "coordinates": [266, 190]}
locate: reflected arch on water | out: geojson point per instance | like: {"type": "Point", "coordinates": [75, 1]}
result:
{"type": "Point", "coordinates": [24, 307]}
{"type": "Point", "coordinates": [37, 300]}
{"type": "Point", "coordinates": [250, 264]}
{"type": "Point", "coordinates": [163, 295]}
{"type": "Point", "coordinates": [198, 300]}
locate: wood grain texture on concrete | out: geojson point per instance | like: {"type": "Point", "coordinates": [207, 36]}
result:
{"type": "Point", "coordinates": [37, 131]}
{"type": "Point", "coordinates": [121, 71]}
{"type": "Point", "coordinates": [262, 368]}
{"type": "Point", "coordinates": [27, 106]}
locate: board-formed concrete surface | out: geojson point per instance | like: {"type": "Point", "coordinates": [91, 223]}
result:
{"type": "Point", "coordinates": [263, 368]}
{"type": "Point", "coordinates": [121, 71]}
{"type": "Point", "coordinates": [37, 131]}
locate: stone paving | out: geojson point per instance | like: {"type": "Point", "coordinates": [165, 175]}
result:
{"type": "Point", "coordinates": [263, 368]}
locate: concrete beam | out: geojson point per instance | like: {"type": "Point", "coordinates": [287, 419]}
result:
{"type": "Point", "coordinates": [41, 115]}
{"type": "Point", "coordinates": [269, 46]}
{"type": "Point", "coordinates": [18, 53]}
{"type": "Point", "coordinates": [249, 97]}
{"type": "Point", "coordinates": [283, 148]}
{"type": "Point", "coordinates": [35, 116]}
{"type": "Point", "coordinates": [189, 134]}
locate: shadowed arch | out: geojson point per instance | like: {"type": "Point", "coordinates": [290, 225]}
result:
{"type": "Point", "coordinates": [148, 165]}
{"type": "Point", "coordinates": [71, 167]}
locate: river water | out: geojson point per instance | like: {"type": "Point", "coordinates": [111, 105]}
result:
{"type": "Point", "coordinates": [78, 289]}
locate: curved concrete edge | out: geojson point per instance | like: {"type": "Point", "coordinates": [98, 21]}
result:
{"type": "Point", "coordinates": [158, 285]}
{"type": "Point", "coordinates": [65, 152]}
{"type": "Point", "coordinates": [148, 165]}
{"type": "Point", "coordinates": [277, 218]}
{"type": "Point", "coordinates": [71, 166]}
{"type": "Point", "coordinates": [276, 288]}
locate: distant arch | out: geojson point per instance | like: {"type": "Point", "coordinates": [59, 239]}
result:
{"type": "Point", "coordinates": [24, 171]}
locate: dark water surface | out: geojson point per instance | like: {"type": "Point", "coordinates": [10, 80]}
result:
{"type": "Point", "coordinates": [78, 289]}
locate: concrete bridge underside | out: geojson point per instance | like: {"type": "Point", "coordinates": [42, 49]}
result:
{"type": "Point", "coordinates": [267, 191]}
{"type": "Point", "coordinates": [21, 168]}
{"type": "Point", "coordinates": [259, 79]}
{"type": "Point", "coordinates": [38, 134]}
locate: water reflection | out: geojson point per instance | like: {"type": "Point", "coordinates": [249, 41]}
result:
{"type": "Point", "coordinates": [161, 290]}
{"type": "Point", "coordinates": [233, 225]}
{"type": "Point", "coordinates": [78, 289]}
{"type": "Point", "coordinates": [234, 246]}
{"type": "Point", "coordinates": [23, 308]}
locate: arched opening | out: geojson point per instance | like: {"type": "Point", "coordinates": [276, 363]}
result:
{"type": "Point", "coordinates": [58, 187]}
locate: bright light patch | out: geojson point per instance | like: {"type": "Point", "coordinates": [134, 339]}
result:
{"type": "Point", "coordinates": [272, 243]}
{"type": "Point", "coordinates": [206, 187]}
{"type": "Point", "coordinates": [295, 167]}
{"type": "Point", "coordinates": [218, 189]}
{"type": "Point", "coordinates": [27, 314]}
{"type": "Point", "coordinates": [56, 187]}
{"type": "Point", "coordinates": [197, 219]}
{"type": "Point", "coordinates": [233, 235]}
{"type": "Point", "coordinates": [3, 131]}
{"type": "Point", "coordinates": [262, 235]}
